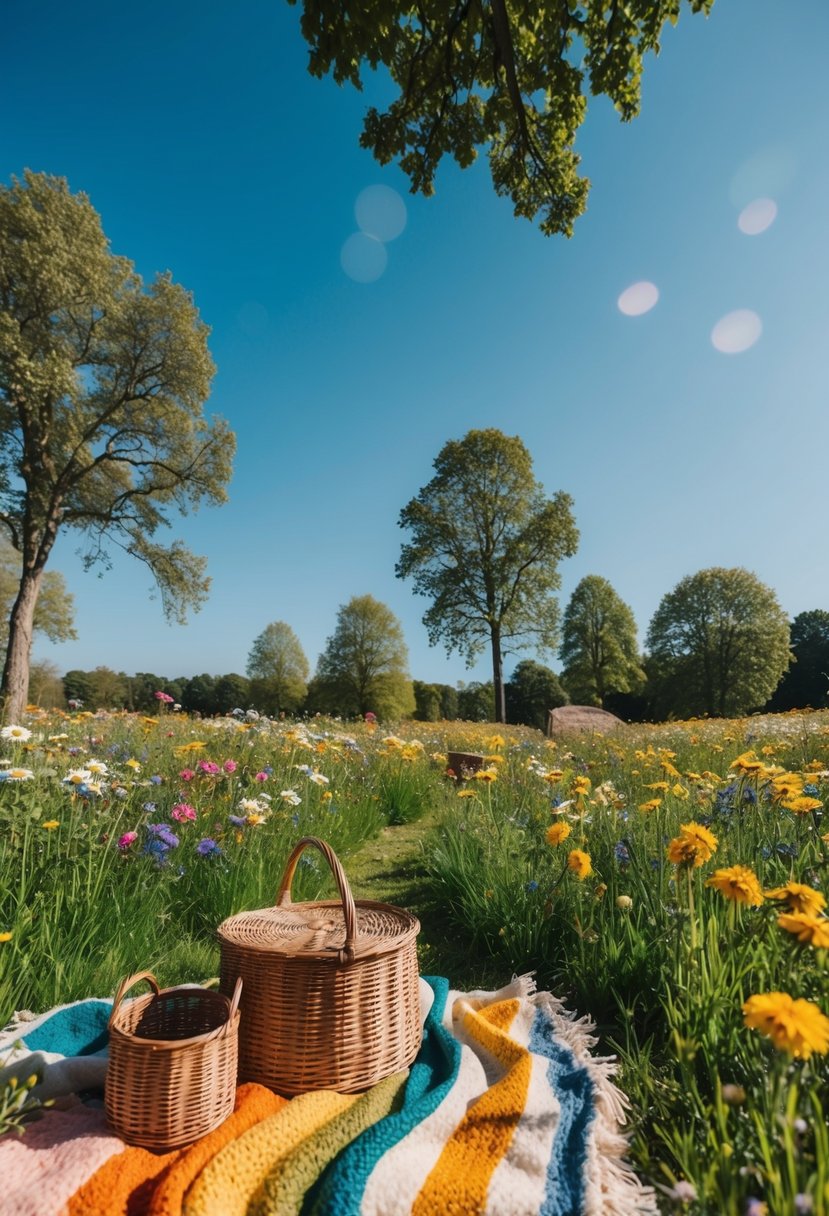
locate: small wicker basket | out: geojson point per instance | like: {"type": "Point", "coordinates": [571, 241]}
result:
{"type": "Point", "coordinates": [331, 996]}
{"type": "Point", "coordinates": [171, 1077]}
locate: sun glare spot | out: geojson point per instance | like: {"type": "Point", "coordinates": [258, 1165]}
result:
{"type": "Point", "coordinates": [637, 299]}
{"type": "Point", "coordinates": [766, 174]}
{"type": "Point", "coordinates": [736, 331]}
{"type": "Point", "coordinates": [363, 257]}
{"type": "Point", "coordinates": [757, 216]}
{"type": "Point", "coordinates": [380, 212]}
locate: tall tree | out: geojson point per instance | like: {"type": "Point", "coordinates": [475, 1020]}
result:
{"type": "Point", "coordinates": [54, 613]}
{"type": "Point", "coordinates": [102, 388]}
{"type": "Point", "coordinates": [278, 669]}
{"type": "Point", "coordinates": [485, 548]}
{"type": "Point", "coordinates": [364, 666]}
{"type": "Point", "coordinates": [531, 692]}
{"type": "Point", "coordinates": [718, 643]}
{"type": "Point", "coordinates": [598, 648]}
{"type": "Point", "coordinates": [806, 683]}
{"type": "Point", "coordinates": [510, 76]}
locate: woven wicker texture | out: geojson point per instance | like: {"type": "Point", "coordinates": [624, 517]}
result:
{"type": "Point", "coordinates": [330, 997]}
{"type": "Point", "coordinates": [172, 1063]}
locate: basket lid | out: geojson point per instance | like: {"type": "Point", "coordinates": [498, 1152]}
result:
{"type": "Point", "coordinates": [342, 930]}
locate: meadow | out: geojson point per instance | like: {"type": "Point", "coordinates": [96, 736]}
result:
{"type": "Point", "coordinates": [669, 882]}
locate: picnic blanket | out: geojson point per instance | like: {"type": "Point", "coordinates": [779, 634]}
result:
{"type": "Point", "coordinates": [504, 1112]}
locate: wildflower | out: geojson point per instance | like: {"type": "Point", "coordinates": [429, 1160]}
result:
{"type": "Point", "coordinates": [679, 791]}
{"type": "Point", "coordinates": [187, 774]}
{"type": "Point", "coordinates": [263, 776]}
{"type": "Point", "coordinates": [208, 766]}
{"type": "Point", "coordinates": [650, 805]}
{"type": "Point", "coordinates": [581, 786]}
{"type": "Point", "coordinates": [50, 825]}
{"type": "Point", "coordinates": [327, 796]}
{"type": "Point", "coordinates": [255, 819]}
{"type": "Point", "coordinates": [662, 786]}
{"type": "Point", "coordinates": [290, 796]}
{"type": "Point", "coordinates": [802, 805]}
{"type": "Point", "coordinates": [579, 862]}
{"type": "Point", "coordinates": [164, 833]}
{"type": "Point", "coordinates": [738, 883]}
{"type": "Point", "coordinates": [466, 794]}
{"type": "Point", "coordinates": [17, 734]}
{"type": "Point", "coordinates": [621, 853]}
{"type": "Point", "coordinates": [803, 1204]}
{"type": "Point", "coordinates": [127, 839]}
{"type": "Point", "coordinates": [6, 937]}
{"type": "Point", "coordinates": [733, 1095]}
{"type": "Point", "coordinates": [495, 741]}
{"type": "Point", "coordinates": [807, 928]}
{"type": "Point", "coordinates": [486, 774]}
{"type": "Point", "coordinates": [794, 1026]}
{"type": "Point", "coordinates": [554, 775]}
{"type": "Point", "coordinates": [747, 763]}
{"type": "Point", "coordinates": [17, 774]}
{"type": "Point", "coordinates": [77, 776]}
{"type": "Point", "coordinates": [756, 1207]}
{"type": "Point", "coordinates": [133, 764]}
{"type": "Point", "coordinates": [96, 767]}
{"type": "Point", "coordinates": [683, 1192]}
{"type": "Point", "coordinates": [164, 698]}
{"type": "Point", "coordinates": [694, 846]}
{"type": "Point", "coordinates": [230, 766]}
{"type": "Point", "coordinates": [624, 903]}
{"type": "Point", "coordinates": [799, 897]}
{"type": "Point", "coordinates": [532, 885]}
{"type": "Point", "coordinates": [208, 848]}
{"type": "Point", "coordinates": [557, 832]}
{"type": "Point", "coordinates": [239, 821]}
{"type": "Point", "coordinates": [183, 811]}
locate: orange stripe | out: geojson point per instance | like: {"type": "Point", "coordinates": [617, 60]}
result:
{"type": "Point", "coordinates": [459, 1181]}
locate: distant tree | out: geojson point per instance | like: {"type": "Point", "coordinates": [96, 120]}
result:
{"type": "Point", "coordinates": [508, 77]}
{"type": "Point", "coordinates": [448, 702]}
{"type": "Point", "coordinates": [55, 610]}
{"type": "Point", "coordinates": [532, 691]}
{"type": "Point", "coordinates": [232, 692]}
{"type": "Point", "coordinates": [78, 686]}
{"type": "Point", "coordinates": [599, 648]}
{"type": "Point", "coordinates": [718, 644]}
{"type": "Point", "coordinates": [278, 669]}
{"type": "Point", "coordinates": [485, 548]}
{"type": "Point", "coordinates": [102, 388]}
{"type": "Point", "coordinates": [365, 663]}
{"type": "Point", "coordinates": [108, 689]}
{"type": "Point", "coordinates": [46, 686]}
{"type": "Point", "coordinates": [476, 702]}
{"type": "Point", "coordinates": [806, 683]}
{"type": "Point", "coordinates": [199, 695]}
{"type": "Point", "coordinates": [427, 701]}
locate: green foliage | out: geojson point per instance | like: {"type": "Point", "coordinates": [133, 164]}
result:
{"type": "Point", "coordinates": [718, 644]}
{"type": "Point", "coordinates": [532, 691]}
{"type": "Point", "coordinates": [476, 702]}
{"type": "Point", "coordinates": [102, 388]}
{"type": "Point", "coordinates": [485, 548]}
{"type": "Point", "coordinates": [510, 76]}
{"type": "Point", "coordinates": [278, 668]}
{"type": "Point", "coordinates": [599, 648]}
{"type": "Point", "coordinates": [55, 610]}
{"type": "Point", "coordinates": [199, 695]}
{"type": "Point", "coordinates": [427, 701]}
{"type": "Point", "coordinates": [806, 683]}
{"type": "Point", "coordinates": [364, 666]}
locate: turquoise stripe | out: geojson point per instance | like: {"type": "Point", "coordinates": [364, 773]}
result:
{"type": "Point", "coordinates": [339, 1191]}
{"type": "Point", "coordinates": [78, 1030]}
{"type": "Point", "coordinates": [571, 1084]}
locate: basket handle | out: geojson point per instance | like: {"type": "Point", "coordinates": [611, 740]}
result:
{"type": "Point", "coordinates": [129, 982]}
{"type": "Point", "coordinates": [283, 898]}
{"type": "Point", "coordinates": [234, 1004]}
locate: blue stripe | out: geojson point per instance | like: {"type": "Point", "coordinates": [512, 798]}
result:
{"type": "Point", "coordinates": [78, 1030]}
{"type": "Point", "coordinates": [571, 1084]}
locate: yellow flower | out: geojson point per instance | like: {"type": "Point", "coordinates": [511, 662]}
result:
{"type": "Point", "coordinates": [133, 764]}
{"type": "Point", "coordinates": [799, 897]}
{"type": "Point", "coordinates": [486, 774]}
{"type": "Point", "coordinates": [795, 1026]}
{"type": "Point", "coordinates": [581, 785]}
{"type": "Point", "coordinates": [184, 748]}
{"type": "Point", "coordinates": [801, 805]}
{"type": "Point", "coordinates": [662, 786]}
{"type": "Point", "coordinates": [669, 769]}
{"type": "Point", "coordinates": [624, 903]}
{"type": "Point", "coordinates": [694, 845]}
{"type": "Point", "coordinates": [326, 796]}
{"type": "Point", "coordinates": [747, 763]}
{"type": "Point", "coordinates": [679, 791]}
{"type": "Point", "coordinates": [51, 824]}
{"type": "Point", "coordinates": [466, 794]}
{"type": "Point", "coordinates": [6, 937]}
{"type": "Point", "coordinates": [555, 774]}
{"type": "Point", "coordinates": [807, 928]}
{"type": "Point", "coordinates": [647, 807]}
{"type": "Point", "coordinates": [495, 741]}
{"type": "Point", "coordinates": [494, 759]}
{"type": "Point", "coordinates": [579, 862]}
{"type": "Point", "coordinates": [558, 832]}
{"type": "Point", "coordinates": [786, 785]}
{"type": "Point", "coordinates": [738, 883]}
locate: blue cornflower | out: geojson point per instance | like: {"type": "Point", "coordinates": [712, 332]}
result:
{"type": "Point", "coordinates": [164, 833]}
{"type": "Point", "coordinates": [148, 807]}
{"type": "Point", "coordinates": [787, 850]}
{"type": "Point", "coordinates": [239, 820]}
{"type": "Point", "coordinates": [532, 885]}
{"type": "Point", "coordinates": [208, 848]}
{"type": "Point", "coordinates": [157, 849]}
{"type": "Point", "coordinates": [156, 780]}
{"type": "Point", "coordinates": [295, 820]}
{"type": "Point", "coordinates": [749, 795]}
{"type": "Point", "coordinates": [811, 789]}
{"type": "Point", "coordinates": [621, 853]}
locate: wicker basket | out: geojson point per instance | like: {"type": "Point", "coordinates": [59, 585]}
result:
{"type": "Point", "coordinates": [331, 998]}
{"type": "Point", "coordinates": [173, 1053]}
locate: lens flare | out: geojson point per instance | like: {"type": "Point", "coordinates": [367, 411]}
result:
{"type": "Point", "coordinates": [736, 331]}
{"type": "Point", "coordinates": [637, 299]}
{"type": "Point", "coordinates": [757, 216]}
{"type": "Point", "coordinates": [363, 257]}
{"type": "Point", "coordinates": [380, 212]}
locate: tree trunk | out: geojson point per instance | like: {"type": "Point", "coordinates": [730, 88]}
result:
{"type": "Point", "coordinates": [14, 688]}
{"type": "Point", "coordinates": [498, 677]}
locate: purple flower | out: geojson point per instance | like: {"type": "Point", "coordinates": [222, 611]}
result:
{"type": "Point", "coordinates": [164, 833]}
{"type": "Point", "coordinates": [208, 848]}
{"type": "Point", "coordinates": [238, 820]}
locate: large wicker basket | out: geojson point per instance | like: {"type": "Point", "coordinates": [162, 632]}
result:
{"type": "Point", "coordinates": [331, 998]}
{"type": "Point", "coordinates": [171, 1076]}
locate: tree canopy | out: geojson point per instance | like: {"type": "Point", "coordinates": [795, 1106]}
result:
{"type": "Point", "coordinates": [806, 683]}
{"type": "Point", "coordinates": [511, 76]}
{"type": "Point", "coordinates": [598, 648]}
{"type": "Point", "coordinates": [485, 548]}
{"type": "Point", "coordinates": [278, 669]}
{"type": "Point", "coordinates": [102, 388]}
{"type": "Point", "coordinates": [718, 644]}
{"type": "Point", "coordinates": [54, 613]}
{"type": "Point", "coordinates": [364, 666]}
{"type": "Point", "coordinates": [531, 692]}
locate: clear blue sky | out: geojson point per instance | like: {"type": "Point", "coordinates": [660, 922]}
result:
{"type": "Point", "coordinates": [207, 149]}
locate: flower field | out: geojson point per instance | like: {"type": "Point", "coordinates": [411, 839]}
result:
{"type": "Point", "coordinates": [670, 882]}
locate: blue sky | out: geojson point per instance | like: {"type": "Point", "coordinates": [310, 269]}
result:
{"type": "Point", "coordinates": [207, 149]}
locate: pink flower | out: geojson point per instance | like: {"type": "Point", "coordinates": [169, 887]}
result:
{"type": "Point", "coordinates": [183, 811]}
{"type": "Point", "coordinates": [230, 766]}
{"type": "Point", "coordinates": [165, 697]}
{"type": "Point", "coordinates": [208, 766]}
{"type": "Point", "coordinates": [261, 777]}
{"type": "Point", "coordinates": [187, 774]}
{"type": "Point", "coordinates": [127, 839]}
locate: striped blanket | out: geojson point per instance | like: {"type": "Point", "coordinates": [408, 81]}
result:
{"type": "Point", "coordinates": [505, 1112]}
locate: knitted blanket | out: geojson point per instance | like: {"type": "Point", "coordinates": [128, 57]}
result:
{"type": "Point", "coordinates": [505, 1112]}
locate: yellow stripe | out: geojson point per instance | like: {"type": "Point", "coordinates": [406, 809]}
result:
{"type": "Point", "coordinates": [459, 1181]}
